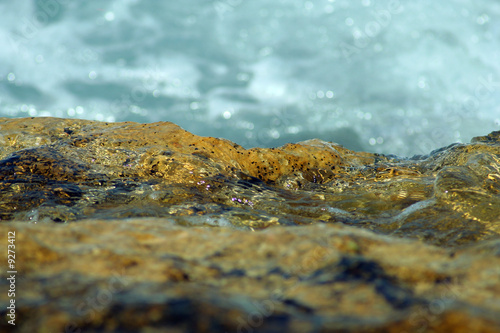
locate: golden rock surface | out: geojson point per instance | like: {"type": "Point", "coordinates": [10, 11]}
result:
{"type": "Point", "coordinates": [146, 227]}
{"type": "Point", "coordinates": [145, 274]}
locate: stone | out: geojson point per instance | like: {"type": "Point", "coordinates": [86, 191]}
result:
{"type": "Point", "coordinates": [150, 273]}
{"type": "Point", "coordinates": [146, 227]}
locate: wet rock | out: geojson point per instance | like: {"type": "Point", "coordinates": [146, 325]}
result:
{"type": "Point", "coordinates": [354, 241]}
{"type": "Point", "coordinates": [145, 274]}
{"type": "Point", "coordinates": [66, 170]}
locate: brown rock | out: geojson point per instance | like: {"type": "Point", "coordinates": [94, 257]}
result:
{"type": "Point", "coordinates": [139, 251]}
{"type": "Point", "coordinates": [118, 275]}
{"type": "Point", "coordinates": [64, 170]}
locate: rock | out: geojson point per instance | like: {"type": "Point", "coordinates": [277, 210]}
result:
{"type": "Point", "coordinates": [142, 274]}
{"type": "Point", "coordinates": [352, 242]}
{"type": "Point", "coordinates": [66, 170]}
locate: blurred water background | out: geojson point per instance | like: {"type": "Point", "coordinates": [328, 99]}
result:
{"type": "Point", "coordinates": [395, 77]}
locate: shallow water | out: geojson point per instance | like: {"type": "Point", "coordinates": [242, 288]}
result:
{"type": "Point", "coordinates": [385, 76]}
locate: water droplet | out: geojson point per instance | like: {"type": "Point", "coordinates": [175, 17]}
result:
{"type": "Point", "coordinates": [109, 16]}
{"type": "Point", "coordinates": [482, 19]}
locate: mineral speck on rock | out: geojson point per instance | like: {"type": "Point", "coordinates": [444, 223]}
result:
{"type": "Point", "coordinates": [156, 228]}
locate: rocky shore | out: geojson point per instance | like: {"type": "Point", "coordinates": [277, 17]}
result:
{"type": "Point", "coordinates": [127, 227]}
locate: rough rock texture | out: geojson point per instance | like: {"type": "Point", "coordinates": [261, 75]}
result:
{"type": "Point", "coordinates": [115, 231]}
{"type": "Point", "coordinates": [139, 274]}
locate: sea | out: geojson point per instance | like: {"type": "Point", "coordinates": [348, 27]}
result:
{"type": "Point", "coordinates": [386, 76]}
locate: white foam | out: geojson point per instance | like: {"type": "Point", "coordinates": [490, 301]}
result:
{"type": "Point", "coordinates": [412, 81]}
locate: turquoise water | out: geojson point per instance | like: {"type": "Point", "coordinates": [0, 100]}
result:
{"type": "Point", "coordinates": [383, 76]}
